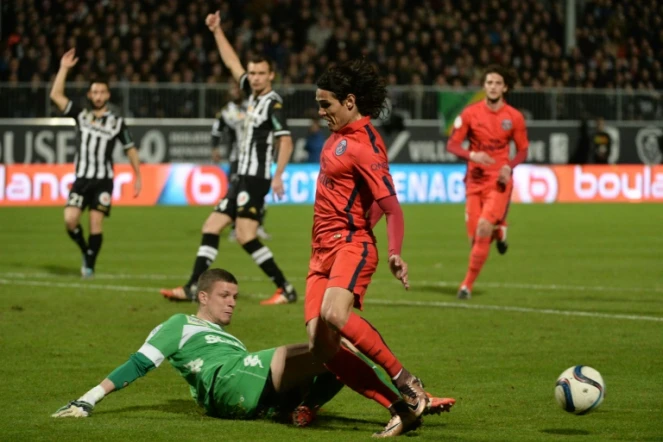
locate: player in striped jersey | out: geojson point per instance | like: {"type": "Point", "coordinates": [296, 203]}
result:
{"type": "Point", "coordinates": [227, 129]}
{"type": "Point", "coordinates": [98, 129]}
{"type": "Point", "coordinates": [264, 131]}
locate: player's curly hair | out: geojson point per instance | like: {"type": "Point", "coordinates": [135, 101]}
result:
{"type": "Point", "coordinates": [359, 78]}
{"type": "Point", "coordinates": [211, 276]}
{"type": "Point", "coordinates": [507, 74]}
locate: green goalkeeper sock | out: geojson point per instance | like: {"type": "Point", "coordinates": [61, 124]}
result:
{"type": "Point", "coordinates": [323, 388]}
{"type": "Point", "coordinates": [379, 372]}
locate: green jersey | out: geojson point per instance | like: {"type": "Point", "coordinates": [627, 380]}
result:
{"type": "Point", "coordinates": [196, 348]}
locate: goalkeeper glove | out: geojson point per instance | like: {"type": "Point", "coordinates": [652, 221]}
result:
{"type": "Point", "coordinates": [75, 409]}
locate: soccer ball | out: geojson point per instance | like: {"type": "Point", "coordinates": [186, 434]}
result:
{"type": "Point", "coordinates": [579, 389]}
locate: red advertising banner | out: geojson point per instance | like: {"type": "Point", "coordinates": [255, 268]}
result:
{"type": "Point", "coordinates": [571, 184]}
{"type": "Point", "coordinates": [49, 184]}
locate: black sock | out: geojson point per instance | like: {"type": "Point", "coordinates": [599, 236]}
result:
{"type": "Point", "coordinates": [263, 214]}
{"type": "Point", "coordinates": [209, 248]}
{"type": "Point", "coordinates": [94, 245]}
{"type": "Point", "coordinates": [77, 236]}
{"type": "Point", "coordinates": [264, 258]}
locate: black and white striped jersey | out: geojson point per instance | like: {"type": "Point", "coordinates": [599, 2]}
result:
{"type": "Point", "coordinates": [96, 138]}
{"type": "Point", "coordinates": [227, 128]}
{"type": "Point", "coordinates": [264, 122]}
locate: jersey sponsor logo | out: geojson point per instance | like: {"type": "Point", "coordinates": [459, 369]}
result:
{"type": "Point", "coordinates": [252, 361]}
{"type": "Point", "coordinates": [216, 339]}
{"type": "Point", "coordinates": [340, 147]}
{"type": "Point", "coordinates": [507, 124]}
{"type": "Point", "coordinates": [327, 182]}
{"type": "Point", "coordinates": [458, 122]}
{"type": "Point", "coordinates": [105, 198]}
{"type": "Point", "coordinates": [380, 166]}
{"type": "Point", "coordinates": [243, 198]}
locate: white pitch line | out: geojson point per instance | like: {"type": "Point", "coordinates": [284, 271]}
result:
{"type": "Point", "coordinates": [414, 283]}
{"type": "Point", "coordinates": [383, 302]}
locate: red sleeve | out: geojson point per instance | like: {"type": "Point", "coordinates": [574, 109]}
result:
{"type": "Point", "coordinates": [520, 157]}
{"type": "Point", "coordinates": [395, 223]}
{"type": "Point", "coordinates": [371, 163]}
{"type": "Point", "coordinates": [459, 134]}
{"type": "Point", "coordinates": [520, 133]}
{"type": "Point", "coordinates": [374, 214]}
{"type": "Point", "coordinates": [520, 138]}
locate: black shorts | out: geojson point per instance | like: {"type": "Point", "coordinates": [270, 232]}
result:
{"type": "Point", "coordinates": [245, 198]}
{"type": "Point", "coordinates": [91, 193]}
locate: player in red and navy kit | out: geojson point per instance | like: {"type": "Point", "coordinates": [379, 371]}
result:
{"type": "Point", "coordinates": [354, 174]}
{"type": "Point", "coordinates": [489, 125]}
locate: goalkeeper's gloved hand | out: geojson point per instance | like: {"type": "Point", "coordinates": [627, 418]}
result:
{"type": "Point", "coordinates": [74, 409]}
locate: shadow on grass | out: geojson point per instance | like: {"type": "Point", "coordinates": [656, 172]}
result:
{"type": "Point", "coordinates": [176, 406]}
{"type": "Point", "coordinates": [566, 432]}
{"type": "Point", "coordinates": [53, 269]}
{"type": "Point", "coordinates": [60, 270]}
{"type": "Point", "coordinates": [442, 289]}
{"type": "Point", "coordinates": [324, 421]}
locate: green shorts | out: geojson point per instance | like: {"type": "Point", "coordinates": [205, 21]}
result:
{"type": "Point", "coordinates": [240, 383]}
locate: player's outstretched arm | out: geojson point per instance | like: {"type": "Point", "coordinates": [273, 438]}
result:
{"type": "Point", "coordinates": [134, 159]}
{"type": "Point", "coordinates": [137, 366]}
{"type": "Point", "coordinates": [285, 152]}
{"type": "Point", "coordinates": [83, 406]}
{"type": "Point", "coordinates": [228, 54]}
{"type": "Point", "coordinates": [67, 62]}
{"type": "Point", "coordinates": [395, 233]}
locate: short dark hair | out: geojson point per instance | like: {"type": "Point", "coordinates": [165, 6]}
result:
{"type": "Point", "coordinates": [211, 276]}
{"type": "Point", "coordinates": [507, 74]}
{"type": "Point", "coordinates": [99, 80]}
{"type": "Point", "coordinates": [261, 58]}
{"type": "Point", "coordinates": [359, 78]}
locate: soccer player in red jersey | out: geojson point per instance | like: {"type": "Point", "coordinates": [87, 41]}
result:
{"type": "Point", "coordinates": [489, 125]}
{"type": "Point", "coordinates": [354, 173]}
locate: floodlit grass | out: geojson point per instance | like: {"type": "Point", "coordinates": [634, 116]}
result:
{"type": "Point", "coordinates": [60, 336]}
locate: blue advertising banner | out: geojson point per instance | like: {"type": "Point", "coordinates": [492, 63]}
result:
{"type": "Point", "coordinates": [442, 183]}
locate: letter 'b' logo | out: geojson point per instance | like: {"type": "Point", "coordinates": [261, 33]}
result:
{"type": "Point", "coordinates": [535, 184]}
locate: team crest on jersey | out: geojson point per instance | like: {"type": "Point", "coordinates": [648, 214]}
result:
{"type": "Point", "coordinates": [507, 124]}
{"type": "Point", "coordinates": [340, 148]}
{"type": "Point", "coordinates": [105, 198]}
{"type": "Point", "coordinates": [243, 198]}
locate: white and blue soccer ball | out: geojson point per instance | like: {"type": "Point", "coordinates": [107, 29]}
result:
{"type": "Point", "coordinates": [579, 389]}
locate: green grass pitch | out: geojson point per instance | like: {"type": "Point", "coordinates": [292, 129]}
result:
{"type": "Point", "coordinates": [581, 284]}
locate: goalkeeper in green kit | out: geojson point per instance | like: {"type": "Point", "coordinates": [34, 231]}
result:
{"type": "Point", "coordinates": [225, 378]}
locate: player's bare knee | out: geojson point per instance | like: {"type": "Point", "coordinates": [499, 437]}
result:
{"type": "Point", "coordinates": [215, 223]}
{"type": "Point", "coordinates": [71, 220]}
{"type": "Point", "coordinates": [246, 230]}
{"type": "Point", "coordinates": [70, 223]}
{"type": "Point", "coordinates": [334, 316]}
{"type": "Point", "coordinates": [243, 237]}
{"type": "Point", "coordinates": [484, 229]}
{"type": "Point", "coordinates": [322, 349]}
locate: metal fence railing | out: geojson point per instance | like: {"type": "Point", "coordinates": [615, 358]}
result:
{"type": "Point", "coordinates": [169, 100]}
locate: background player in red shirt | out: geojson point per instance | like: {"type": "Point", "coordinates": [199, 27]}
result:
{"type": "Point", "coordinates": [354, 173]}
{"type": "Point", "coordinates": [489, 125]}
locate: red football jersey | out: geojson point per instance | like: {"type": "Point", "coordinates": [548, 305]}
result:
{"type": "Point", "coordinates": [489, 131]}
{"type": "Point", "coordinates": [354, 172]}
